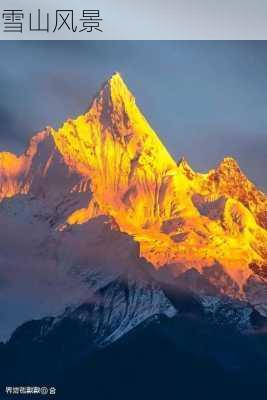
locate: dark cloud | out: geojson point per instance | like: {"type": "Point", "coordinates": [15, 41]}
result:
{"type": "Point", "coordinates": [11, 136]}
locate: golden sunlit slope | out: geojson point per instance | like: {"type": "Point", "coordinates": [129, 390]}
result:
{"type": "Point", "coordinates": [10, 169]}
{"type": "Point", "coordinates": [180, 218]}
{"type": "Point", "coordinates": [40, 171]}
{"type": "Point", "coordinates": [114, 144]}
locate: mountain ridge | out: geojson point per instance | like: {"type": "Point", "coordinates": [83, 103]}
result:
{"type": "Point", "coordinates": [109, 162]}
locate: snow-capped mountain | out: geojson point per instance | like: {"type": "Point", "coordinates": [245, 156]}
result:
{"type": "Point", "coordinates": [100, 199]}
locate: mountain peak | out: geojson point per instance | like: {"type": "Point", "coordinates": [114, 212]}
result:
{"type": "Point", "coordinates": [114, 98]}
{"type": "Point", "coordinates": [111, 159]}
{"type": "Point", "coordinates": [114, 90]}
{"type": "Point", "coordinates": [185, 168]}
{"type": "Point", "coordinates": [229, 162]}
{"type": "Point", "coordinates": [183, 163]}
{"type": "Point", "coordinates": [115, 77]}
{"type": "Point", "coordinates": [229, 167]}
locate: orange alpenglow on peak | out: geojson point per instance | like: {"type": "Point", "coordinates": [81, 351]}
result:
{"type": "Point", "coordinates": [185, 168]}
{"type": "Point", "coordinates": [113, 94]}
{"type": "Point", "coordinates": [114, 144]}
{"type": "Point", "coordinates": [230, 162]}
{"type": "Point", "coordinates": [178, 216]}
{"type": "Point", "coordinates": [117, 89]}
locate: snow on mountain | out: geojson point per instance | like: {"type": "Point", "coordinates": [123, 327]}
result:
{"type": "Point", "coordinates": [101, 195]}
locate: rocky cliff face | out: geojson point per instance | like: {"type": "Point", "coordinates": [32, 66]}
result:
{"type": "Point", "coordinates": [108, 168]}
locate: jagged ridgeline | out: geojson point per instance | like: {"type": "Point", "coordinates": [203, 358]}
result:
{"type": "Point", "coordinates": [108, 168]}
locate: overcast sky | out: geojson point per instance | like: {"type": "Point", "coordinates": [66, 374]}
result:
{"type": "Point", "coordinates": [206, 100]}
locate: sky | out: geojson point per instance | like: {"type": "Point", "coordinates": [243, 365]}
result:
{"type": "Point", "coordinates": [205, 99]}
